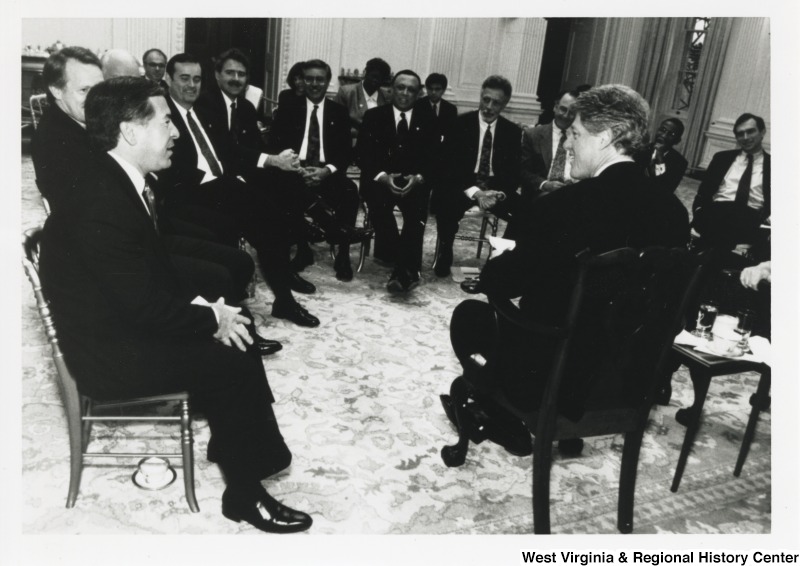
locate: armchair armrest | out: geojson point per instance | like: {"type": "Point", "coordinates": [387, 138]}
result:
{"type": "Point", "coordinates": [505, 308]}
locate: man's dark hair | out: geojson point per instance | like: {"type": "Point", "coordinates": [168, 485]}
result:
{"type": "Point", "coordinates": [318, 64]}
{"type": "Point", "coordinates": [232, 54]}
{"type": "Point", "coordinates": [762, 127]}
{"type": "Point", "coordinates": [379, 66]}
{"type": "Point", "coordinates": [436, 79]}
{"type": "Point", "coordinates": [617, 108]}
{"type": "Point", "coordinates": [153, 50]}
{"type": "Point", "coordinates": [117, 100]}
{"type": "Point", "coordinates": [679, 128]}
{"type": "Point", "coordinates": [498, 82]}
{"type": "Point", "coordinates": [55, 68]}
{"type": "Point", "coordinates": [295, 71]}
{"type": "Point", "coordinates": [573, 92]}
{"type": "Point", "coordinates": [180, 58]}
{"type": "Point", "coordinates": [408, 72]}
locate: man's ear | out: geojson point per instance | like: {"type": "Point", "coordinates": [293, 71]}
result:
{"type": "Point", "coordinates": [56, 92]}
{"type": "Point", "coordinates": [128, 132]}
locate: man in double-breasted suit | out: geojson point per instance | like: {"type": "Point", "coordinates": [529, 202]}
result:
{"type": "Point", "coordinates": [485, 165]}
{"type": "Point", "coordinates": [125, 326]}
{"type": "Point", "coordinates": [394, 148]}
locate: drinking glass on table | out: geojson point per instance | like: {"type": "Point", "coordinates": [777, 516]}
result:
{"type": "Point", "coordinates": [744, 327]}
{"type": "Point", "coordinates": [705, 320]}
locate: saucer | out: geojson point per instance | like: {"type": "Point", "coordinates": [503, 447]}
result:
{"type": "Point", "coordinates": [141, 481]}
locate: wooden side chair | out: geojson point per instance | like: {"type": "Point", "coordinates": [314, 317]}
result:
{"type": "Point", "coordinates": [633, 303]}
{"type": "Point", "coordinates": [81, 411]}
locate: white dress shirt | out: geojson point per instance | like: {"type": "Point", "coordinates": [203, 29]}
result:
{"type": "Point", "coordinates": [320, 120]}
{"type": "Point", "coordinates": [372, 99]}
{"type": "Point", "coordinates": [730, 184]}
{"type": "Point", "coordinates": [396, 122]}
{"type": "Point", "coordinates": [202, 164]}
{"type": "Point", "coordinates": [483, 127]}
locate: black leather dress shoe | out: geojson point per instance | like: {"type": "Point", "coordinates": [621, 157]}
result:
{"type": "Point", "coordinates": [343, 268]}
{"type": "Point", "coordinates": [293, 312]}
{"type": "Point", "coordinates": [399, 281]}
{"type": "Point", "coordinates": [265, 513]}
{"type": "Point", "coordinates": [471, 286]}
{"type": "Point", "coordinates": [300, 285]}
{"type": "Point", "coordinates": [267, 347]}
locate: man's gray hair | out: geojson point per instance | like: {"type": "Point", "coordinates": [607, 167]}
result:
{"type": "Point", "coordinates": [617, 108]}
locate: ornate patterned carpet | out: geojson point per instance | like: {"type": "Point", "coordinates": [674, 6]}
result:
{"type": "Point", "coordinates": [358, 405]}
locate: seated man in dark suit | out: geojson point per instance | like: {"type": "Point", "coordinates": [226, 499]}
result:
{"type": "Point", "coordinates": [661, 160]}
{"type": "Point", "coordinates": [124, 325]}
{"type": "Point", "coordinates": [61, 152]}
{"type": "Point", "coordinates": [198, 187]}
{"type": "Point", "coordinates": [544, 166]}
{"type": "Point", "coordinates": [485, 165]}
{"type": "Point", "coordinates": [365, 95]}
{"type": "Point", "coordinates": [319, 133]}
{"type": "Point", "coordinates": [394, 148]}
{"type": "Point", "coordinates": [734, 198]}
{"type": "Point", "coordinates": [611, 205]}
{"type": "Point", "coordinates": [444, 116]}
{"type": "Point", "coordinates": [230, 121]}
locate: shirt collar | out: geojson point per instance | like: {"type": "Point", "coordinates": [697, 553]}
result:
{"type": "Point", "coordinates": [310, 105]}
{"type": "Point", "coordinates": [756, 155]}
{"type": "Point", "coordinates": [228, 99]}
{"type": "Point", "coordinates": [397, 114]}
{"type": "Point", "coordinates": [133, 173]}
{"type": "Point", "coordinates": [181, 110]}
{"type": "Point", "coordinates": [366, 94]}
{"type": "Point", "coordinates": [621, 158]}
{"type": "Point", "coordinates": [484, 124]}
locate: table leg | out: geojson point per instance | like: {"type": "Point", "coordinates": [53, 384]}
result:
{"type": "Point", "coordinates": [700, 381]}
{"type": "Point", "coordinates": [759, 401]}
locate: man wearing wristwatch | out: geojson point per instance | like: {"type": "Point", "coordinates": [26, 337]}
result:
{"type": "Point", "coordinates": [394, 147]}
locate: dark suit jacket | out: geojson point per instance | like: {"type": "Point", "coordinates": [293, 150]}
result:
{"type": "Point", "coordinates": [60, 151]}
{"type": "Point", "coordinates": [287, 98]}
{"type": "Point", "coordinates": [288, 130]}
{"type": "Point", "coordinates": [377, 145]}
{"type": "Point", "coordinates": [239, 155]}
{"type": "Point", "coordinates": [183, 172]}
{"type": "Point", "coordinates": [674, 168]}
{"type": "Point", "coordinates": [110, 282]}
{"type": "Point", "coordinates": [616, 209]}
{"type": "Point", "coordinates": [505, 153]}
{"type": "Point", "coordinates": [445, 132]}
{"type": "Point", "coordinates": [536, 157]}
{"type": "Point", "coordinates": [716, 172]}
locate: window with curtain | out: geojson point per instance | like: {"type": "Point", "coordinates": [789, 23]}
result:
{"type": "Point", "coordinates": [694, 39]}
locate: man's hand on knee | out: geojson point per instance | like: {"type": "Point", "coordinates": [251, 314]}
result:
{"type": "Point", "coordinates": [232, 329]}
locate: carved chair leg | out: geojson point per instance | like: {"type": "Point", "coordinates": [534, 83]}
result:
{"type": "Point", "coordinates": [75, 427]}
{"type": "Point", "coordinates": [627, 480]}
{"type": "Point", "coordinates": [456, 454]}
{"type": "Point", "coordinates": [188, 457]}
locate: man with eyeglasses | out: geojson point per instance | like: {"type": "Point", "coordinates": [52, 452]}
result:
{"type": "Point", "coordinates": [155, 64]}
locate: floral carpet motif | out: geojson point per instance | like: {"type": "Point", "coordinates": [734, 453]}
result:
{"type": "Point", "coordinates": [357, 401]}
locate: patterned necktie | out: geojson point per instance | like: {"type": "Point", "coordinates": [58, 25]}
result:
{"type": "Point", "coordinates": [150, 201]}
{"type": "Point", "coordinates": [484, 165]}
{"type": "Point", "coordinates": [312, 151]}
{"type": "Point", "coordinates": [234, 128]}
{"type": "Point", "coordinates": [743, 191]}
{"type": "Point", "coordinates": [216, 170]}
{"type": "Point", "coordinates": [559, 161]}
